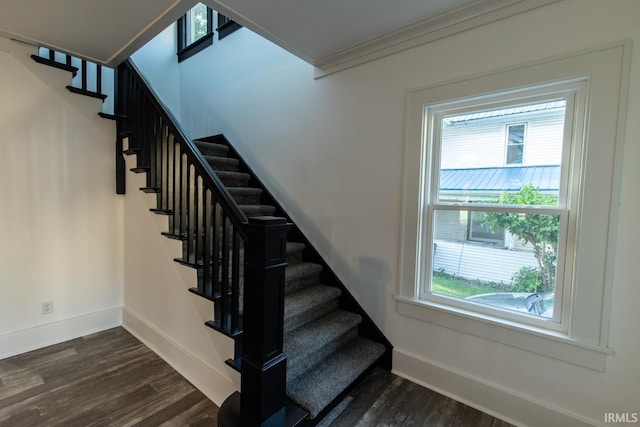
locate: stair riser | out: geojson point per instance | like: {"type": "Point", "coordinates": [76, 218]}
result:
{"type": "Point", "coordinates": [248, 199]}
{"type": "Point", "coordinates": [309, 315]}
{"type": "Point", "coordinates": [292, 285]}
{"type": "Point", "coordinates": [320, 387]}
{"type": "Point", "coordinates": [294, 257]}
{"type": "Point", "coordinates": [234, 180]}
{"type": "Point", "coordinates": [209, 149]}
{"type": "Point", "coordinates": [298, 364]}
{"type": "Point", "coordinates": [224, 164]}
{"type": "Point", "coordinates": [295, 252]}
{"type": "Point", "coordinates": [259, 210]}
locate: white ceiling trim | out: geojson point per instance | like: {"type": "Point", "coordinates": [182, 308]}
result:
{"type": "Point", "coordinates": [428, 30]}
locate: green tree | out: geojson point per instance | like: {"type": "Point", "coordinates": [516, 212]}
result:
{"type": "Point", "coordinates": [539, 230]}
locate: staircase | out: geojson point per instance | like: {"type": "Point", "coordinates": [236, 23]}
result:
{"type": "Point", "coordinates": [88, 79]}
{"type": "Point", "coordinates": [301, 340]}
{"type": "Point", "coordinates": [325, 352]}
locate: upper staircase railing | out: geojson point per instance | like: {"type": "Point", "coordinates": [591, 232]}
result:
{"type": "Point", "coordinates": [217, 238]}
{"type": "Point", "coordinates": [89, 78]}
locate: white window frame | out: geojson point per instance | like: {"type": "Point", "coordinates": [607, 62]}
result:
{"type": "Point", "coordinates": [581, 335]}
{"type": "Point", "coordinates": [571, 90]}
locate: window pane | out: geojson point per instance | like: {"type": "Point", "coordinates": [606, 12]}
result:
{"type": "Point", "coordinates": [520, 277]}
{"type": "Point", "coordinates": [197, 22]}
{"type": "Point", "coordinates": [515, 144]}
{"type": "Point", "coordinates": [474, 154]}
{"type": "Point", "coordinates": [480, 231]}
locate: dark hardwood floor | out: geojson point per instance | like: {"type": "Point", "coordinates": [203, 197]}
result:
{"type": "Point", "coordinates": [111, 379]}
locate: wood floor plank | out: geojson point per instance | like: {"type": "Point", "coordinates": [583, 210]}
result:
{"type": "Point", "coordinates": [105, 379]}
{"type": "Point", "coordinates": [384, 399]}
{"type": "Point", "coordinates": [110, 379]}
{"type": "Point", "coordinates": [362, 397]}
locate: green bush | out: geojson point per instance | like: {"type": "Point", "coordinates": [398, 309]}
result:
{"type": "Point", "coordinates": [527, 279]}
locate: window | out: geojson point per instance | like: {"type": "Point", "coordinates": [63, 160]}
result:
{"type": "Point", "coordinates": [226, 26]}
{"type": "Point", "coordinates": [515, 144]}
{"type": "Point", "coordinates": [481, 231]}
{"type": "Point", "coordinates": [195, 30]}
{"type": "Point", "coordinates": [548, 293]}
{"type": "Point", "coordinates": [530, 205]}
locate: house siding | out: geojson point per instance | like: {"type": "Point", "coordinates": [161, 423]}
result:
{"type": "Point", "coordinates": [479, 261]}
{"type": "Point", "coordinates": [475, 145]}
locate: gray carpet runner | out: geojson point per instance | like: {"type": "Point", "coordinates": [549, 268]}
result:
{"type": "Point", "coordinates": [324, 352]}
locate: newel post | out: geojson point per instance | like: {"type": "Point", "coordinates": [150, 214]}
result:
{"type": "Point", "coordinates": [263, 380]}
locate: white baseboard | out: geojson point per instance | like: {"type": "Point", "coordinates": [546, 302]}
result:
{"type": "Point", "coordinates": [40, 336]}
{"type": "Point", "coordinates": [204, 377]}
{"type": "Point", "coordinates": [492, 399]}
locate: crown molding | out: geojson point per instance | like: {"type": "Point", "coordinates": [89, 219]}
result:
{"type": "Point", "coordinates": [471, 16]}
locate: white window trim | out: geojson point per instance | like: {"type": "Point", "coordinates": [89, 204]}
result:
{"type": "Point", "coordinates": [605, 72]}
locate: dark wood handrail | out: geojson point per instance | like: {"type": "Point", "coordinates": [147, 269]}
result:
{"type": "Point", "coordinates": [213, 183]}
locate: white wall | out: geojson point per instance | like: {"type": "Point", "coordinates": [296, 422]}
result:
{"type": "Point", "coordinates": [331, 152]}
{"type": "Point", "coordinates": [158, 61]}
{"type": "Point", "coordinates": [159, 309]}
{"type": "Point", "coordinates": [62, 222]}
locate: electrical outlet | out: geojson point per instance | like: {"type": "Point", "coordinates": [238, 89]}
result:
{"type": "Point", "coordinates": [47, 307]}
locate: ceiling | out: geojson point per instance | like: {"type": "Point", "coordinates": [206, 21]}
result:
{"type": "Point", "coordinates": [322, 33]}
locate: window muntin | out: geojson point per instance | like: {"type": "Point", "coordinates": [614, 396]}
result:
{"type": "Point", "coordinates": [471, 191]}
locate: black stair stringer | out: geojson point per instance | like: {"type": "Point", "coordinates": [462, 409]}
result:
{"type": "Point", "coordinates": [367, 328]}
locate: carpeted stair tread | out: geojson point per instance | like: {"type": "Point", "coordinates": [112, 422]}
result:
{"type": "Point", "coordinates": [323, 383]}
{"type": "Point", "coordinates": [222, 163]}
{"type": "Point", "coordinates": [301, 274]}
{"type": "Point", "coordinates": [246, 195]}
{"type": "Point", "coordinates": [257, 210]}
{"type": "Point", "coordinates": [233, 179]}
{"type": "Point", "coordinates": [307, 304]}
{"type": "Point", "coordinates": [211, 148]}
{"type": "Point", "coordinates": [308, 344]}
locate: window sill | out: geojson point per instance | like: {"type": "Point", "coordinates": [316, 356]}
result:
{"type": "Point", "coordinates": [227, 28]}
{"type": "Point", "coordinates": [195, 47]}
{"type": "Point", "coordinates": [547, 343]}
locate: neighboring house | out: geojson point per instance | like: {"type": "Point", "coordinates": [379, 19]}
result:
{"type": "Point", "coordinates": [485, 155]}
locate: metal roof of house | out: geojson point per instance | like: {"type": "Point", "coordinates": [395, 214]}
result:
{"type": "Point", "coordinates": [500, 179]}
{"type": "Point", "coordinates": [531, 108]}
